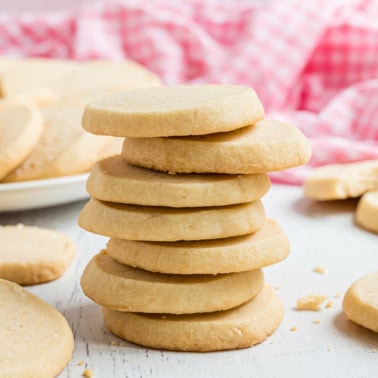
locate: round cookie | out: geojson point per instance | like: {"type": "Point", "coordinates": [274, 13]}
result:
{"type": "Point", "coordinates": [266, 246]}
{"type": "Point", "coordinates": [360, 303]}
{"type": "Point", "coordinates": [36, 340]}
{"type": "Point", "coordinates": [31, 255]}
{"type": "Point", "coordinates": [123, 288]}
{"type": "Point", "coordinates": [90, 78]}
{"type": "Point", "coordinates": [115, 180]}
{"type": "Point", "coordinates": [31, 79]}
{"type": "Point", "coordinates": [241, 327]}
{"type": "Point", "coordinates": [340, 181]}
{"type": "Point", "coordinates": [133, 222]}
{"type": "Point", "coordinates": [367, 211]}
{"type": "Point", "coordinates": [20, 129]}
{"type": "Point", "coordinates": [173, 110]}
{"type": "Point", "coordinates": [264, 147]}
{"type": "Point", "coordinates": [64, 148]}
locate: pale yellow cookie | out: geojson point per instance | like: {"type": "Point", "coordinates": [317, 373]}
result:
{"type": "Point", "coordinates": [31, 79]}
{"type": "Point", "coordinates": [264, 147]}
{"type": "Point", "coordinates": [133, 222]}
{"type": "Point", "coordinates": [340, 181]}
{"type": "Point", "coordinates": [174, 110]}
{"type": "Point", "coordinates": [241, 327]}
{"type": "Point", "coordinates": [266, 246]}
{"type": "Point", "coordinates": [64, 148]}
{"type": "Point", "coordinates": [360, 303]}
{"type": "Point", "coordinates": [367, 211]}
{"type": "Point", "coordinates": [115, 180]}
{"type": "Point", "coordinates": [90, 78]}
{"type": "Point", "coordinates": [31, 255]}
{"type": "Point", "coordinates": [36, 340]}
{"type": "Point", "coordinates": [123, 288]}
{"type": "Point", "coordinates": [20, 129]}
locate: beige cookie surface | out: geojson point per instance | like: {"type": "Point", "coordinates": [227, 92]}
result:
{"type": "Point", "coordinates": [241, 327]}
{"type": "Point", "coordinates": [265, 147]}
{"type": "Point", "coordinates": [63, 149]}
{"type": "Point", "coordinates": [133, 222]}
{"type": "Point", "coordinates": [36, 340]}
{"type": "Point", "coordinates": [21, 126]}
{"type": "Point", "coordinates": [123, 288]}
{"type": "Point", "coordinates": [340, 181]}
{"type": "Point", "coordinates": [31, 255]}
{"type": "Point", "coordinates": [360, 303]}
{"type": "Point", "coordinates": [31, 79]}
{"type": "Point", "coordinates": [114, 180]}
{"type": "Point", "coordinates": [174, 110]}
{"type": "Point", "coordinates": [266, 246]}
{"type": "Point", "coordinates": [89, 79]}
{"type": "Point", "coordinates": [367, 211]}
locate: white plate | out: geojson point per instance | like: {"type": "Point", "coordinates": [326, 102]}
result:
{"type": "Point", "coordinates": [42, 193]}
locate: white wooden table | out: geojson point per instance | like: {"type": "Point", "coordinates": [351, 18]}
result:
{"type": "Point", "coordinates": [320, 234]}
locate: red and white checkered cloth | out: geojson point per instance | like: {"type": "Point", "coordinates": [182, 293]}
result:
{"type": "Point", "coordinates": [314, 63]}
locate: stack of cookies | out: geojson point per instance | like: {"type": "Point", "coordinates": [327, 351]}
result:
{"type": "Point", "coordinates": [188, 232]}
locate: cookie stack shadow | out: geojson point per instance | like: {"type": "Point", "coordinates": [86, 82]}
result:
{"type": "Point", "coordinates": [188, 232]}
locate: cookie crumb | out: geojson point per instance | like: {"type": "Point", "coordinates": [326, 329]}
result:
{"type": "Point", "coordinates": [310, 302]}
{"type": "Point", "coordinates": [316, 321]}
{"type": "Point", "coordinates": [88, 373]}
{"type": "Point", "coordinates": [329, 304]}
{"type": "Point", "coordinates": [277, 287]}
{"type": "Point", "coordinates": [80, 363]}
{"type": "Point", "coordinates": [319, 269]}
{"type": "Point", "coordinates": [293, 328]}
{"type": "Point", "coordinates": [114, 343]}
{"type": "Point", "coordinates": [373, 351]}
{"type": "Point", "coordinates": [338, 295]}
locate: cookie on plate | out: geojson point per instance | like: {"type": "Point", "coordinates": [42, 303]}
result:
{"type": "Point", "coordinates": [123, 288]}
{"type": "Point", "coordinates": [264, 147]}
{"type": "Point", "coordinates": [240, 327]}
{"type": "Point", "coordinates": [134, 222]}
{"type": "Point", "coordinates": [114, 180]}
{"type": "Point", "coordinates": [36, 339]}
{"type": "Point", "coordinates": [21, 127]}
{"type": "Point", "coordinates": [340, 181]}
{"type": "Point", "coordinates": [367, 211]}
{"type": "Point", "coordinates": [266, 246]}
{"type": "Point", "coordinates": [64, 148]}
{"type": "Point", "coordinates": [173, 110]}
{"type": "Point", "coordinates": [96, 78]}
{"type": "Point", "coordinates": [31, 79]}
{"type": "Point", "coordinates": [31, 255]}
{"type": "Point", "coordinates": [360, 303]}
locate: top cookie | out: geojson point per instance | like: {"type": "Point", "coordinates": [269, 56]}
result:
{"type": "Point", "coordinates": [173, 111]}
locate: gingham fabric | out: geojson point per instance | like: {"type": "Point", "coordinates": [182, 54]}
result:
{"type": "Point", "coordinates": [313, 63]}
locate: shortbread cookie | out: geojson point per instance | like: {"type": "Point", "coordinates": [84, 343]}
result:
{"type": "Point", "coordinates": [264, 147]}
{"type": "Point", "coordinates": [20, 129]}
{"type": "Point", "coordinates": [340, 181]}
{"type": "Point", "coordinates": [36, 340]}
{"type": "Point", "coordinates": [360, 302]}
{"type": "Point", "coordinates": [367, 211]}
{"type": "Point", "coordinates": [31, 255]}
{"type": "Point", "coordinates": [115, 180]}
{"type": "Point", "coordinates": [64, 148]}
{"type": "Point", "coordinates": [174, 110]}
{"type": "Point", "coordinates": [105, 77]}
{"type": "Point", "coordinates": [133, 222]}
{"type": "Point", "coordinates": [123, 288]}
{"type": "Point", "coordinates": [31, 79]}
{"type": "Point", "coordinates": [241, 327]}
{"type": "Point", "coordinates": [266, 246]}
